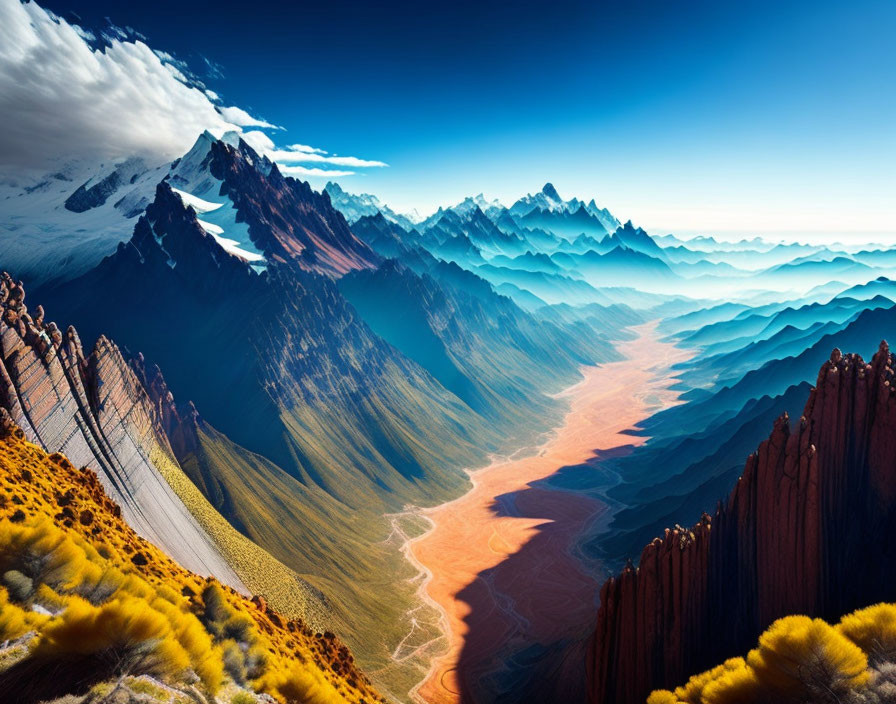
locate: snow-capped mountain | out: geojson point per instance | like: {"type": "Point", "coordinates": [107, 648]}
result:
{"type": "Point", "coordinates": [492, 208]}
{"type": "Point", "coordinates": [548, 199]}
{"type": "Point", "coordinates": [98, 203]}
{"type": "Point", "coordinates": [356, 206]}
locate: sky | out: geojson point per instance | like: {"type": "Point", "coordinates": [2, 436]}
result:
{"type": "Point", "coordinates": [692, 117]}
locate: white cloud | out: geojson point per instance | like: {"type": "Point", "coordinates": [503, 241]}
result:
{"type": "Point", "coordinates": [259, 141]}
{"type": "Point", "coordinates": [305, 148]}
{"type": "Point", "coordinates": [292, 156]}
{"type": "Point", "coordinates": [63, 98]}
{"type": "Point", "coordinates": [240, 117]}
{"type": "Point", "coordinates": [301, 171]}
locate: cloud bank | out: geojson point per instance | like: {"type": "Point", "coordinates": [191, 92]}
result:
{"type": "Point", "coordinates": [64, 95]}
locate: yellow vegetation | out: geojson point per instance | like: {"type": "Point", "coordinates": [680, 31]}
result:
{"type": "Point", "coordinates": [798, 654]}
{"type": "Point", "coordinates": [258, 569]}
{"type": "Point", "coordinates": [800, 659]}
{"type": "Point", "coordinates": [117, 601]}
{"type": "Point", "coordinates": [873, 630]}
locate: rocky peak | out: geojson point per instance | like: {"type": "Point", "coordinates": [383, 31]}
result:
{"type": "Point", "coordinates": [179, 424]}
{"type": "Point", "coordinates": [806, 529]}
{"type": "Point", "coordinates": [551, 192]}
{"type": "Point", "coordinates": [285, 218]}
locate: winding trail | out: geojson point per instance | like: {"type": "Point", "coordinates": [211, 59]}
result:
{"type": "Point", "coordinates": [498, 561]}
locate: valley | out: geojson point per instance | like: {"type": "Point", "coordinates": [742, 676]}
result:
{"type": "Point", "coordinates": [483, 550]}
{"type": "Point", "coordinates": [295, 424]}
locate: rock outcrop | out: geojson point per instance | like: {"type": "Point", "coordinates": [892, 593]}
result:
{"type": "Point", "coordinates": [807, 530]}
{"type": "Point", "coordinates": [92, 408]}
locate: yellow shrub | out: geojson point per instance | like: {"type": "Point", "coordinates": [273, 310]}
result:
{"type": "Point", "coordinates": [299, 685]}
{"type": "Point", "coordinates": [12, 618]}
{"type": "Point", "coordinates": [84, 571]}
{"type": "Point", "coordinates": [692, 692]}
{"type": "Point", "coordinates": [663, 696]}
{"type": "Point", "coordinates": [205, 659]}
{"type": "Point", "coordinates": [43, 552]}
{"type": "Point", "coordinates": [736, 685]}
{"type": "Point", "coordinates": [874, 630]}
{"type": "Point", "coordinates": [130, 635]}
{"type": "Point", "coordinates": [798, 655]}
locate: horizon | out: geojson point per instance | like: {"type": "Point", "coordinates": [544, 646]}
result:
{"type": "Point", "coordinates": [693, 133]}
{"type": "Point", "coordinates": [447, 354]}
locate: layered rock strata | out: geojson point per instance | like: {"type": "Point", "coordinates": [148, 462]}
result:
{"type": "Point", "coordinates": [92, 408]}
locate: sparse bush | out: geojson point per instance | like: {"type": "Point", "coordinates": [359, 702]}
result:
{"type": "Point", "coordinates": [195, 640]}
{"type": "Point", "coordinates": [215, 610]}
{"type": "Point", "coordinates": [125, 634]}
{"type": "Point", "coordinates": [234, 661]}
{"type": "Point", "coordinates": [100, 586]}
{"type": "Point", "coordinates": [42, 552]}
{"type": "Point", "coordinates": [13, 621]}
{"type": "Point", "coordinates": [874, 630]}
{"type": "Point", "coordinates": [301, 686]}
{"type": "Point", "coordinates": [20, 586]}
{"type": "Point", "coordinates": [243, 698]}
{"type": "Point", "coordinates": [238, 627]}
{"type": "Point", "coordinates": [799, 657]}
{"type": "Point", "coordinates": [143, 686]}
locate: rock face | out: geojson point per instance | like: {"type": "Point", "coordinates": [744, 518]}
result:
{"type": "Point", "coordinates": [286, 219]}
{"type": "Point", "coordinates": [806, 530]}
{"type": "Point", "coordinates": [93, 409]}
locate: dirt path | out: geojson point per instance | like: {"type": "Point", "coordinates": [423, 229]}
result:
{"type": "Point", "coordinates": [498, 559]}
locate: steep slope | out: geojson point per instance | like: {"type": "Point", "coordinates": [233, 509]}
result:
{"type": "Point", "coordinates": [108, 415]}
{"type": "Point", "coordinates": [495, 357]}
{"type": "Point", "coordinates": [805, 530]}
{"type": "Point", "coordinates": [284, 218]}
{"type": "Point", "coordinates": [103, 604]}
{"type": "Point", "coordinates": [92, 408]}
{"type": "Point", "coordinates": [301, 402]}
{"type": "Point", "coordinates": [306, 354]}
{"type": "Point", "coordinates": [669, 482]}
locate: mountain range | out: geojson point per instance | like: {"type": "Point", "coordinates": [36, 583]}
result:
{"type": "Point", "coordinates": [278, 382]}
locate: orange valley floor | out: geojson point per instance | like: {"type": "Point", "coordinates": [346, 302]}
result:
{"type": "Point", "coordinates": [472, 554]}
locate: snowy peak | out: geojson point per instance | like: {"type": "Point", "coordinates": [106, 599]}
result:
{"type": "Point", "coordinates": [192, 181]}
{"type": "Point", "coordinates": [549, 192]}
{"type": "Point", "coordinates": [479, 202]}
{"type": "Point", "coordinates": [170, 235]}
{"type": "Point", "coordinates": [356, 206]}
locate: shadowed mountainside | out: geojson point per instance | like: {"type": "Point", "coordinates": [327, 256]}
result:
{"type": "Point", "coordinates": [806, 530]}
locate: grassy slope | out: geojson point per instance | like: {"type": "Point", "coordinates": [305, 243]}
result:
{"type": "Point", "coordinates": [345, 552]}
{"type": "Point", "coordinates": [35, 486]}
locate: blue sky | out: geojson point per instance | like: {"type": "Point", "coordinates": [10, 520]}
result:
{"type": "Point", "coordinates": [691, 117]}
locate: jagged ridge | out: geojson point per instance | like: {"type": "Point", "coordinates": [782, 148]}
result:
{"type": "Point", "coordinates": [93, 409]}
{"type": "Point", "coordinates": [805, 530]}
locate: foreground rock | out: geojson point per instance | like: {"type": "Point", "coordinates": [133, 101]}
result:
{"type": "Point", "coordinates": [806, 530]}
{"type": "Point", "coordinates": [92, 408]}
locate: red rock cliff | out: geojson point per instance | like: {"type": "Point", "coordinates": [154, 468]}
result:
{"type": "Point", "coordinates": [807, 529]}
